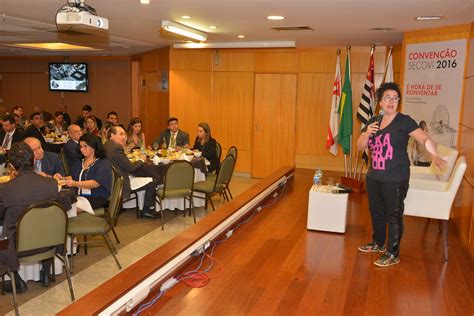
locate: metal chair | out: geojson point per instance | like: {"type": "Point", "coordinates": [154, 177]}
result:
{"type": "Point", "coordinates": [89, 225]}
{"type": "Point", "coordinates": [41, 234]}
{"type": "Point", "coordinates": [178, 183]}
{"type": "Point", "coordinates": [105, 211]}
{"type": "Point", "coordinates": [66, 167]}
{"type": "Point", "coordinates": [218, 151]}
{"type": "Point", "coordinates": [5, 271]}
{"type": "Point", "coordinates": [217, 184]}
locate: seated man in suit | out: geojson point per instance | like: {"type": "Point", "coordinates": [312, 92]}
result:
{"type": "Point", "coordinates": [18, 110]}
{"type": "Point", "coordinates": [23, 190]}
{"type": "Point", "coordinates": [46, 163]}
{"type": "Point", "coordinates": [114, 148]}
{"type": "Point", "coordinates": [173, 136]}
{"type": "Point", "coordinates": [9, 134]}
{"type": "Point", "coordinates": [71, 150]}
{"type": "Point", "coordinates": [34, 130]}
{"type": "Point", "coordinates": [86, 112]}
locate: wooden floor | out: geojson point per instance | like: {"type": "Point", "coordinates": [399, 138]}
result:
{"type": "Point", "coordinates": [273, 265]}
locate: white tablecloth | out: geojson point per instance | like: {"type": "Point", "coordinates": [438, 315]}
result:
{"type": "Point", "coordinates": [171, 204]}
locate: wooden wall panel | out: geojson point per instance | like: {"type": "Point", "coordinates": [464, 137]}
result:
{"type": "Point", "coordinates": [233, 61]}
{"type": "Point", "coordinates": [323, 61]}
{"type": "Point", "coordinates": [312, 113]}
{"type": "Point", "coordinates": [199, 60]}
{"type": "Point", "coordinates": [190, 99]}
{"type": "Point", "coordinates": [158, 59]}
{"type": "Point", "coordinates": [276, 62]}
{"type": "Point", "coordinates": [17, 90]}
{"type": "Point", "coordinates": [25, 82]}
{"type": "Point", "coordinates": [231, 113]}
{"type": "Point", "coordinates": [156, 112]}
{"type": "Point", "coordinates": [274, 120]}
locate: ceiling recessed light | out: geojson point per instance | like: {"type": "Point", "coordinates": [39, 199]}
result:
{"type": "Point", "coordinates": [187, 17]}
{"type": "Point", "coordinates": [241, 36]}
{"type": "Point", "coordinates": [212, 27]}
{"type": "Point", "coordinates": [275, 17]}
{"type": "Point", "coordinates": [428, 17]}
{"type": "Point", "coordinates": [145, 1]}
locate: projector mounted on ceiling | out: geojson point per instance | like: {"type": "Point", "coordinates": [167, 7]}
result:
{"type": "Point", "coordinates": [77, 16]}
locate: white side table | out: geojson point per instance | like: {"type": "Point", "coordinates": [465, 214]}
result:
{"type": "Point", "coordinates": [327, 211]}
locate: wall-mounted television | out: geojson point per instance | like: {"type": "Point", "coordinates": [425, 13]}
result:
{"type": "Point", "coordinates": [68, 77]}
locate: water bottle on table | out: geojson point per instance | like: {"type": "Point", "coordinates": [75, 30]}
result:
{"type": "Point", "coordinates": [317, 178]}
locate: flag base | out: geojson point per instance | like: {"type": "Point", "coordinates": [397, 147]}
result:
{"type": "Point", "coordinates": [355, 185]}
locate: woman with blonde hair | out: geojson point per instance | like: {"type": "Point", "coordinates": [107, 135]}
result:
{"type": "Point", "coordinates": [90, 126]}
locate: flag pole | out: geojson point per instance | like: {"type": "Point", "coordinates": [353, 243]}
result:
{"type": "Point", "coordinates": [390, 49]}
{"type": "Point", "coordinates": [372, 50]}
{"type": "Point", "coordinates": [350, 137]}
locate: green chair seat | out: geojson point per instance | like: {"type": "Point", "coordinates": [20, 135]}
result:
{"type": "Point", "coordinates": [87, 224]}
{"type": "Point", "coordinates": [207, 186]}
{"type": "Point", "coordinates": [99, 212]}
{"type": "Point", "coordinates": [175, 193]}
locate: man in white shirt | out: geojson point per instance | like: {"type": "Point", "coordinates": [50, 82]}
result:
{"type": "Point", "coordinates": [173, 136]}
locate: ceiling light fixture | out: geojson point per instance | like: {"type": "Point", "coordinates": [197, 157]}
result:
{"type": "Point", "coordinates": [254, 44]}
{"type": "Point", "coordinates": [183, 30]}
{"type": "Point", "coordinates": [212, 27]}
{"type": "Point", "coordinates": [428, 17]}
{"type": "Point", "coordinates": [186, 17]}
{"type": "Point", "coordinates": [241, 36]}
{"type": "Point", "coordinates": [275, 17]}
{"type": "Point", "coordinates": [145, 1]}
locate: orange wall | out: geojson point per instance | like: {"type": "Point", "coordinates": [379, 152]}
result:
{"type": "Point", "coordinates": [218, 87]}
{"type": "Point", "coordinates": [25, 82]}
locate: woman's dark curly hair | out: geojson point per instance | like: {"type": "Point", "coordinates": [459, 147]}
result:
{"type": "Point", "coordinates": [387, 86]}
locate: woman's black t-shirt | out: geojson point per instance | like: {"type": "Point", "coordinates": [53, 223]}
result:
{"type": "Point", "coordinates": [389, 162]}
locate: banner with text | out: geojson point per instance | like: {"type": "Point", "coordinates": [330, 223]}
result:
{"type": "Point", "coordinates": [433, 87]}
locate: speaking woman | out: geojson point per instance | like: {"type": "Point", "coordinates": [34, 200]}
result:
{"type": "Point", "coordinates": [389, 172]}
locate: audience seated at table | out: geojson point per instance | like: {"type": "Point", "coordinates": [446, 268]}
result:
{"type": "Point", "coordinates": [86, 112]}
{"type": "Point", "coordinates": [90, 126]}
{"type": "Point", "coordinates": [34, 129]}
{"type": "Point", "coordinates": [114, 147]}
{"type": "Point", "coordinates": [67, 119]}
{"type": "Point", "coordinates": [46, 163]}
{"type": "Point", "coordinates": [45, 115]}
{"type": "Point", "coordinates": [71, 149]}
{"type": "Point", "coordinates": [173, 136]}
{"type": "Point", "coordinates": [135, 134]}
{"type": "Point", "coordinates": [10, 134]}
{"type": "Point", "coordinates": [58, 123]}
{"type": "Point", "coordinates": [207, 145]}
{"type": "Point", "coordinates": [24, 189]}
{"type": "Point", "coordinates": [93, 176]}
{"type": "Point", "coordinates": [20, 111]}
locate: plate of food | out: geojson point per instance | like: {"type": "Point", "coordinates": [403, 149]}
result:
{"type": "Point", "coordinates": [4, 179]}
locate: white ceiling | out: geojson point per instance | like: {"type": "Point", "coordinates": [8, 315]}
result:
{"type": "Point", "coordinates": [134, 27]}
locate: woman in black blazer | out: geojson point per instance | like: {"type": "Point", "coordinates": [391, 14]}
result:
{"type": "Point", "coordinates": [207, 145]}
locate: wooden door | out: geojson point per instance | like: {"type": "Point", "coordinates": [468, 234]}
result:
{"type": "Point", "coordinates": [274, 123]}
